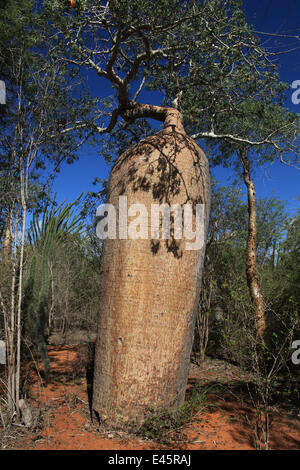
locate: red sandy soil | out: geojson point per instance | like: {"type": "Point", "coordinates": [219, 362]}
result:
{"type": "Point", "coordinates": [64, 411]}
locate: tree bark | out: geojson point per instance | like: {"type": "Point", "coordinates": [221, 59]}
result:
{"type": "Point", "coordinates": [251, 264]}
{"type": "Point", "coordinates": [7, 238]}
{"type": "Point", "coordinates": [150, 287]}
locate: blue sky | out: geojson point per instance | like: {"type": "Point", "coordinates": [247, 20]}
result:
{"type": "Point", "coordinates": [274, 179]}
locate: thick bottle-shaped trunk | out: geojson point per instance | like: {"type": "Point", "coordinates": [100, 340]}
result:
{"type": "Point", "coordinates": [150, 287]}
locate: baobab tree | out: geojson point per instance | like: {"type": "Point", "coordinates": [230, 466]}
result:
{"type": "Point", "coordinates": [203, 57]}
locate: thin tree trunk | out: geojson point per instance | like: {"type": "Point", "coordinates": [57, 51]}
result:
{"type": "Point", "coordinates": [51, 310]}
{"type": "Point", "coordinates": [7, 238]}
{"type": "Point", "coordinates": [274, 255]}
{"type": "Point", "coordinates": [20, 290]}
{"type": "Point", "coordinates": [10, 359]}
{"type": "Point", "coordinates": [202, 322]}
{"type": "Point", "coordinates": [24, 173]}
{"type": "Point", "coordinates": [251, 265]}
{"type": "Point", "coordinates": [202, 326]}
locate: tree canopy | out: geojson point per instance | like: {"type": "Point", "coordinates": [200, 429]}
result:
{"type": "Point", "coordinates": [202, 56]}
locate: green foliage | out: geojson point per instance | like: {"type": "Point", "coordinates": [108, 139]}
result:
{"type": "Point", "coordinates": [45, 97]}
{"type": "Point", "coordinates": [205, 49]}
{"type": "Point", "coordinates": [288, 261]}
{"type": "Point", "coordinates": [231, 334]}
{"type": "Point", "coordinates": [75, 294]}
{"type": "Point", "coordinates": [57, 224]}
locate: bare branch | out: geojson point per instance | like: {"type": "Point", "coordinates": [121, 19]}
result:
{"type": "Point", "coordinates": [267, 140]}
{"type": "Point", "coordinates": [139, 89]}
{"type": "Point", "coordinates": [288, 163]}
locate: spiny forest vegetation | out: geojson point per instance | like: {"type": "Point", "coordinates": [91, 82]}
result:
{"type": "Point", "coordinates": [213, 74]}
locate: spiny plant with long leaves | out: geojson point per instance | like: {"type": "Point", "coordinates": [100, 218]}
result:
{"type": "Point", "coordinates": [57, 223]}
